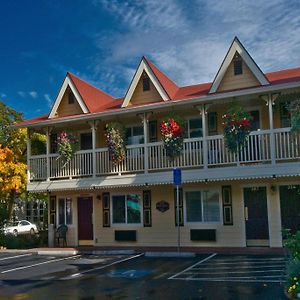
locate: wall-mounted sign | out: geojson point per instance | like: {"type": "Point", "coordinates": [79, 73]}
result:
{"type": "Point", "coordinates": [162, 206]}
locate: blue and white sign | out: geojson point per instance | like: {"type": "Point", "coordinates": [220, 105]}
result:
{"type": "Point", "coordinates": [177, 176]}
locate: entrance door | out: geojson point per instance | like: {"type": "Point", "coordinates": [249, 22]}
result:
{"type": "Point", "coordinates": [85, 222]}
{"type": "Point", "coordinates": [256, 216]}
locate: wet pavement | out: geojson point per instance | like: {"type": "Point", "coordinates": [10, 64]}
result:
{"type": "Point", "coordinates": [91, 277]}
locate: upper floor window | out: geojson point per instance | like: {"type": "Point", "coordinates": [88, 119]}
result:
{"type": "Point", "coordinates": [146, 84]}
{"type": "Point", "coordinates": [202, 206]}
{"type": "Point", "coordinates": [71, 97]}
{"type": "Point", "coordinates": [193, 128]}
{"type": "Point", "coordinates": [135, 135]}
{"type": "Point", "coordinates": [237, 65]}
{"type": "Point", "coordinates": [86, 141]}
{"type": "Point", "coordinates": [126, 209]}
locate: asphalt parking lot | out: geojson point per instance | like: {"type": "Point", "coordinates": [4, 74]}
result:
{"type": "Point", "coordinates": [89, 277]}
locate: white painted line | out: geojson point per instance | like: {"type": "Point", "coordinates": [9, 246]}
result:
{"type": "Point", "coordinates": [241, 267]}
{"type": "Point", "coordinates": [249, 259]}
{"type": "Point", "coordinates": [233, 272]}
{"type": "Point", "coordinates": [39, 264]}
{"type": "Point", "coordinates": [196, 264]}
{"type": "Point", "coordinates": [16, 256]}
{"type": "Point", "coordinates": [232, 280]}
{"type": "Point", "coordinates": [102, 267]}
{"type": "Point", "coordinates": [252, 262]}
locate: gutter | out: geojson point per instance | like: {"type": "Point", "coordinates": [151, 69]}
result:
{"type": "Point", "coordinates": [167, 104]}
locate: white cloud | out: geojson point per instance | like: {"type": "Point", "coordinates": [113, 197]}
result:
{"type": "Point", "coordinates": [33, 94]}
{"type": "Point", "coordinates": [188, 40]}
{"type": "Point", "coordinates": [21, 94]}
{"type": "Point", "coordinates": [48, 99]}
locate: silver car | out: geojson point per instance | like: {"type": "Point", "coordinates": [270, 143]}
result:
{"type": "Point", "coordinates": [20, 227]}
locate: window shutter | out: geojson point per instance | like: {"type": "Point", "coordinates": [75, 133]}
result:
{"type": "Point", "coordinates": [181, 223]}
{"type": "Point", "coordinates": [106, 209]}
{"type": "Point", "coordinates": [147, 208]}
{"type": "Point", "coordinates": [227, 205]}
{"type": "Point", "coordinates": [52, 210]}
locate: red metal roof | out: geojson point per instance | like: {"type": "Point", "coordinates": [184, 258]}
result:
{"type": "Point", "coordinates": [98, 101]}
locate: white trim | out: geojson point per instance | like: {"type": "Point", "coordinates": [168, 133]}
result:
{"type": "Point", "coordinates": [237, 46]}
{"type": "Point", "coordinates": [67, 83]}
{"type": "Point", "coordinates": [144, 67]}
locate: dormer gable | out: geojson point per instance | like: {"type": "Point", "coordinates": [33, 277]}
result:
{"type": "Point", "coordinates": [238, 70]}
{"type": "Point", "coordinates": [149, 85]}
{"type": "Point", "coordinates": [68, 101]}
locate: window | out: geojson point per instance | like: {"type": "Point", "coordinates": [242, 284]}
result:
{"type": "Point", "coordinates": [237, 65]}
{"type": "Point", "coordinates": [135, 135]}
{"type": "Point", "coordinates": [71, 98]}
{"type": "Point", "coordinates": [193, 128]}
{"type": "Point", "coordinates": [285, 117]}
{"type": "Point", "coordinates": [146, 84]}
{"type": "Point", "coordinates": [53, 143]}
{"type": "Point", "coordinates": [86, 141]}
{"type": "Point", "coordinates": [65, 211]}
{"type": "Point", "coordinates": [126, 209]}
{"type": "Point", "coordinates": [202, 206]}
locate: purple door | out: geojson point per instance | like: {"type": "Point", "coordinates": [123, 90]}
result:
{"type": "Point", "coordinates": [85, 216]}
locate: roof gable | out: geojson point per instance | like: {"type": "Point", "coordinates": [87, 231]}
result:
{"type": "Point", "coordinates": [237, 48]}
{"type": "Point", "coordinates": [68, 83]}
{"type": "Point", "coordinates": [165, 87]}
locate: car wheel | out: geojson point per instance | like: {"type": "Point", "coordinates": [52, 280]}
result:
{"type": "Point", "coordinates": [31, 231]}
{"type": "Point", "coordinates": [15, 232]}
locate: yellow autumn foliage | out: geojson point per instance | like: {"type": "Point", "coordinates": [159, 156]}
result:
{"type": "Point", "coordinates": [12, 172]}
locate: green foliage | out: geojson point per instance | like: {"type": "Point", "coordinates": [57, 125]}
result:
{"type": "Point", "coordinates": [115, 139]}
{"type": "Point", "coordinates": [38, 144]}
{"type": "Point", "coordinates": [237, 125]}
{"type": "Point", "coordinates": [3, 214]}
{"type": "Point", "coordinates": [293, 278]}
{"type": "Point", "coordinates": [67, 146]}
{"type": "Point", "coordinates": [24, 241]}
{"type": "Point", "coordinates": [292, 242]}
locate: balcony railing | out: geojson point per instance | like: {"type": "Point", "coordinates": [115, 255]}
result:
{"type": "Point", "coordinates": [258, 149]}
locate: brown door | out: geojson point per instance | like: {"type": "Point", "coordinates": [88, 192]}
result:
{"type": "Point", "coordinates": [85, 219]}
{"type": "Point", "coordinates": [256, 216]}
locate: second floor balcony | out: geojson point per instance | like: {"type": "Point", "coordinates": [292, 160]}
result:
{"type": "Point", "coordinates": [272, 147]}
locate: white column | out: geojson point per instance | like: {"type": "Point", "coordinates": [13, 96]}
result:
{"type": "Point", "coordinates": [48, 132]}
{"type": "Point", "coordinates": [146, 162]}
{"type": "Point", "coordinates": [271, 124]}
{"type": "Point", "coordinates": [204, 135]}
{"type": "Point", "coordinates": [28, 154]}
{"type": "Point", "coordinates": [94, 128]}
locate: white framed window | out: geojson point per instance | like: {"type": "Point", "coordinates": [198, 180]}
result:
{"type": "Point", "coordinates": [126, 209]}
{"type": "Point", "coordinates": [86, 140]}
{"type": "Point", "coordinates": [135, 135]}
{"type": "Point", "coordinates": [202, 206]}
{"type": "Point", "coordinates": [193, 128]}
{"type": "Point", "coordinates": [64, 211]}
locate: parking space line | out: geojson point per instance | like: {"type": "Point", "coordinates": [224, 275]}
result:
{"type": "Point", "coordinates": [16, 256]}
{"type": "Point", "coordinates": [234, 279]}
{"type": "Point", "coordinates": [196, 264]}
{"type": "Point", "coordinates": [232, 272]}
{"type": "Point", "coordinates": [38, 264]}
{"type": "Point", "coordinates": [242, 267]}
{"type": "Point", "coordinates": [73, 276]}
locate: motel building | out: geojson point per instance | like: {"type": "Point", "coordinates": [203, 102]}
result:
{"type": "Point", "coordinates": [226, 199]}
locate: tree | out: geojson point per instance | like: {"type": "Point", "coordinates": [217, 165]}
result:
{"type": "Point", "coordinates": [12, 177]}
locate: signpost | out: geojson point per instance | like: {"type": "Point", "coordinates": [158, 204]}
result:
{"type": "Point", "coordinates": [177, 183]}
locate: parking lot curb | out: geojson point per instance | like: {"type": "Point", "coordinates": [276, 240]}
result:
{"type": "Point", "coordinates": [170, 254]}
{"type": "Point", "coordinates": [108, 252]}
{"type": "Point", "coordinates": [58, 252]}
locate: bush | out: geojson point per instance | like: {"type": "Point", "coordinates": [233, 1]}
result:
{"type": "Point", "coordinates": [24, 241]}
{"type": "Point", "coordinates": [293, 278]}
{"type": "Point", "coordinates": [292, 242]}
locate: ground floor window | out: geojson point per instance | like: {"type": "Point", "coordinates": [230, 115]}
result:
{"type": "Point", "coordinates": [202, 206]}
{"type": "Point", "coordinates": [64, 211]}
{"type": "Point", "coordinates": [126, 209]}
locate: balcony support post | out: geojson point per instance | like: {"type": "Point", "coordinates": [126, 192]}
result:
{"type": "Point", "coordinates": [48, 132]}
{"type": "Point", "coordinates": [28, 154]}
{"type": "Point", "coordinates": [94, 125]}
{"type": "Point", "coordinates": [145, 120]}
{"type": "Point", "coordinates": [203, 112]}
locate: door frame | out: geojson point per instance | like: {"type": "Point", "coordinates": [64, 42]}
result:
{"type": "Point", "coordinates": [249, 185]}
{"type": "Point", "coordinates": [86, 242]}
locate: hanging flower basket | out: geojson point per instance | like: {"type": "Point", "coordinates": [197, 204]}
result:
{"type": "Point", "coordinates": [115, 139]}
{"type": "Point", "coordinates": [237, 126]}
{"type": "Point", "coordinates": [172, 131]}
{"type": "Point", "coordinates": [294, 109]}
{"type": "Point", "coordinates": [67, 146]}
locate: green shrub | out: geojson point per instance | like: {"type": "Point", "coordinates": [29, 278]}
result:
{"type": "Point", "coordinates": [292, 242]}
{"type": "Point", "coordinates": [24, 241]}
{"type": "Point", "coordinates": [293, 278]}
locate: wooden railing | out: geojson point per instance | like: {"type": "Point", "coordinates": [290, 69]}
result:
{"type": "Point", "coordinates": [257, 150]}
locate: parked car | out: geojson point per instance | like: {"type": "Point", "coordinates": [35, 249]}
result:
{"type": "Point", "coordinates": [20, 227]}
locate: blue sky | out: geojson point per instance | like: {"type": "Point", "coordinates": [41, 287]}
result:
{"type": "Point", "coordinates": [102, 42]}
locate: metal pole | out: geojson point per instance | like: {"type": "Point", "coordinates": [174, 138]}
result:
{"type": "Point", "coordinates": [178, 220]}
